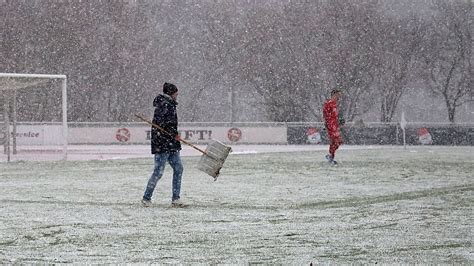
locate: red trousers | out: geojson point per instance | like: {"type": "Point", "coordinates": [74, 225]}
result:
{"type": "Point", "coordinates": [335, 141]}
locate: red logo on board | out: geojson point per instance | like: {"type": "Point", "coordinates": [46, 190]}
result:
{"type": "Point", "coordinates": [424, 136]}
{"type": "Point", "coordinates": [234, 134]}
{"type": "Point", "coordinates": [314, 137]}
{"type": "Point", "coordinates": [122, 134]}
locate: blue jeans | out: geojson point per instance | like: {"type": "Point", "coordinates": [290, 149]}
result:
{"type": "Point", "coordinates": [174, 160]}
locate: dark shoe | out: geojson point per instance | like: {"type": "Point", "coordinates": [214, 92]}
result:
{"type": "Point", "coordinates": [329, 158]}
{"type": "Point", "coordinates": [178, 203]}
{"type": "Point", "coordinates": [146, 203]}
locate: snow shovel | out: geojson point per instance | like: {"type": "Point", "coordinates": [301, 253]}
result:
{"type": "Point", "coordinates": [212, 161]}
{"type": "Point", "coordinates": [212, 158]}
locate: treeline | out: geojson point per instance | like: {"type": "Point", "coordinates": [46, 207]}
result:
{"type": "Point", "coordinates": [240, 60]}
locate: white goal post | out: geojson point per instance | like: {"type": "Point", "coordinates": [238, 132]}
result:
{"type": "Point", "coordinates": [10, 83]}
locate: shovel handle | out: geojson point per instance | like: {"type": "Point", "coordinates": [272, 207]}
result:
{"type": "Point", "coordinates": [169, 134]}
{"type": "Point", "coordinates": [192, 145]}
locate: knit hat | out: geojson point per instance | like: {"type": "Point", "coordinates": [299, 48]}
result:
{"type": "Point", "coordinates": [334, 91]}
{"type": "Point", "coordinates": [169, 88]}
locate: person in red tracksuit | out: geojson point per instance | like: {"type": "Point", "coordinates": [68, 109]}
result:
{"type": "Point", "coordinates": [331, 118]}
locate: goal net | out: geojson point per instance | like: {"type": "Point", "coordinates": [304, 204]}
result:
{"type": "Point", "coordinates": [33, 117]}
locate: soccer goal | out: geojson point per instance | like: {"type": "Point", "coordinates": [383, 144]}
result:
{"type": "Point", "coordinates": [33, 116]}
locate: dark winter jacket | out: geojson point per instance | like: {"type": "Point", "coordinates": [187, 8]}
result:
{"type": "Point", "coordinates": [166, 117]}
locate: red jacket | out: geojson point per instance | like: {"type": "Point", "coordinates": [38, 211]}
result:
{"type": "Point", "coordinates": [331, 115]}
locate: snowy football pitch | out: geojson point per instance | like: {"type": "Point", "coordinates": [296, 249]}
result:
{"type": "Point", "coordinates": [382, 204]}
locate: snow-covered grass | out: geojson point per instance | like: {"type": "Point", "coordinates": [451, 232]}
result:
{"type": "Point", "coordinates": [385, 205]}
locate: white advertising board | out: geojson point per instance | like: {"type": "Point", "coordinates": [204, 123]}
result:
{"type": "Point", "coordinates": [38, 134]}
{"type": "Point", "coordinates": [52, 135]}
{"type": "Point", "coordinates": [141, 135]}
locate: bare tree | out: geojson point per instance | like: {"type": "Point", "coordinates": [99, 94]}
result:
{"type": "Point", "coordinates": [399, 42]}
{"type": "Point", "coordinates": [285, 55]}
{"type": "Point", "coordinates": [213, 40]}
{"type": "Point", "coordinates": [449, 55]}
{"type": "Point", "coordinates": [282, 61]}
{"type": "Point", "coordinates": [349, 42]}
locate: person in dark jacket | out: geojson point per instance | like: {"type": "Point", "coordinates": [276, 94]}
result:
{"type": "Point", "coordinates": [165, 145]}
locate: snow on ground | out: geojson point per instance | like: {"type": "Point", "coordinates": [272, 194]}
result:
{"type": "Point", "coordinates": [112, 152]}
{"type": "Point", "coordinates": [382, 204]}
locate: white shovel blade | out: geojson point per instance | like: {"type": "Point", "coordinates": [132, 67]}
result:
{"type": "Point", "coordinates": [212, 163]}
